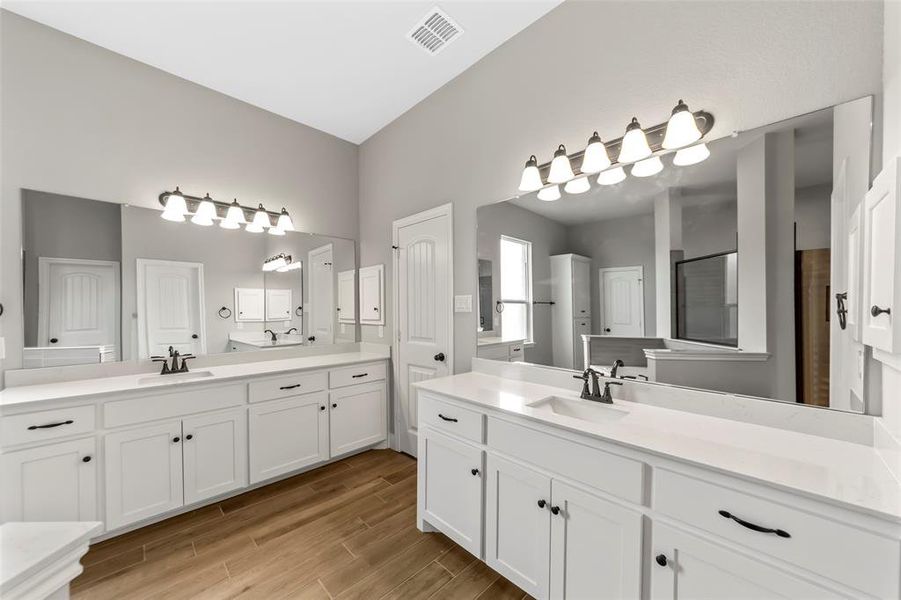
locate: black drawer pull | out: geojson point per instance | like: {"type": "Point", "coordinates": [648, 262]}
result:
{"type": "Point", "coordinates": [451, 419]}
{"type": "Point", "coordinates": [360, 375]}
{"type": "Point", "coordinates": [780, 532]}
{"type": "Point", "coordinates": [289, 387]}
{"type": "Point", "coordinates": [50, 425]}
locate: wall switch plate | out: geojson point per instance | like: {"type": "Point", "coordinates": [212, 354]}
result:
{"type": "Point", "coordinates": [463, 303]}
{"type": "Point", "coordinates": [2, 348]}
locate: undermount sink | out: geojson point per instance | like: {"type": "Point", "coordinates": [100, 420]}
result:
{"type": "Point", "coordinates": [174, 377]}
{"type": "Point", "coordinates": [586, 410]}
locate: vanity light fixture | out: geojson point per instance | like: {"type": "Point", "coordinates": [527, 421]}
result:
{"type": "Point", "coordinates": [205, 212]}
{"type": "Point", "coordinates": [611, 176]}
{"type": "Point", "coordinates": [276, 231]}
{"type": "Point", "coordinates": [579, 185]}
{"type": "Point", "coordinates": [549, 194]}
{"type": "Point", "coordinates": [284, 222]}
{"type": "Point", "coordinates": [681, 130]}
{"type": "Point", "coordinates": [647, 167]}
{"type": "Point", "coordinates": [231, 215]}
{"type": "Point", "coordinates": [260, 221]}
{"type": "Point", "coordinates": [634, 145]}
{"type": "Point", "coordinates": [274, 263]}
{"type": "Point", "coordinates": [691, 155]}
{"type": "Point", "coordinates": [561, 169]}
{"type": "Point", "coordinates": [234, 216]}
{"type": "Point", "coordinates": [595, 159]}
{"type": "Point", "coordinates": [291, 266]}
{"type": "Point", "coordinates": [531, 176]}
{"type": "Point", "coordinates": [175, 206]}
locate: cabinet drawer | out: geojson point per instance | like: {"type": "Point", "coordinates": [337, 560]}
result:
{"type": "Point", "coordinates": [46, 425]}
{"type": "Point", "coordinates": [356, 374]}
{"type": "Point", "coordinates": [175, 404]}
{"type": "Point", "coordinates": [517, 352]}
{"type": "Point", "coordinates": [287, 385]}
{"type": "Point", "coordinates": [851, 556]}
{"type": "Point", "coordinates": [500, 352]}
{"type": "Point", "coordinates": [616, 475]}
{"type": "Point", "coordinates": [454, 419]}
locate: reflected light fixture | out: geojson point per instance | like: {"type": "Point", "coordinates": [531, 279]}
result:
{"type": "Point", "coordinates": [276, 262]}
{"type": "Point", "coordinates": [205, 212]}
{"type": "Point", "coordinates": [291, 266]}
{"type": "Point", "coordinates": [691, 155]}
{"type": "Point", "coordinates": [561, 169]}
{"type": "Point", "coordinates": [234, 216]}
{"type": "Point", "coordinates": [531, 176]}
{"type": "Point", "coordinates": [595, 159]}
{"type": "Point", "coordinates": [549, 194]}
{"type": "Point", "coordinates": [681, 130]}
{"type": "Point", "coordinates": [635, 144]}
{"type": "Point", "coordinates": [260, 221]}
{"type": "Point", "coordinates": [284, 222]}
{"type": "Point", "coordinates": [176, 208]}
{"type": "Point", "coordinates": [580, 185]}
{"type": "Point", "coordinates": [647, 167]}
{"type": "Point", "coordinates": [611, 176]}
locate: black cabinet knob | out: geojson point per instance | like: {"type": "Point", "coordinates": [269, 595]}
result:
{"type": "Point", "coordinates": [475, 471]}
{"type": "Point", "coordinates": [194, 336]}
{"type": "Point", "coordinates": [189, 436]}
{"type": "Point", "coordinates": [86, 459]}
{"type": "Point", "coordinates": [606, 330]}
{"type": "Point", "coordinates": [661, 560]}
{"type": "Point", "coordinates": [875, 311]}
{"type": "Point", "coordinates": [542, 503]}
{"type": "Point", "coordinates": [176, 439]}
{"type": "Point", "coordinates": [334, 405]}
{"type": "Point", "coordinates": [555, 510]}
{"type": "Point", "coordinates": [440, 357]}
{"type": "Point", "coordinates": [322, 407]}
{"type": "Point", "coordinates": [53, 340]}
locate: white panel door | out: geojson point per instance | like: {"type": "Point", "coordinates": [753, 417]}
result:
{"type": "Point", "coordinates": [347, 295]}
{"type": "Point", "coordinates": [357, 417]}
{"type": "Point", "coordinates": [517, 525]}
{"type": "Point", "coordinates": [170, 307]}
{"type": "Point", "coordinates": [595, 546]}
{"type": "Point", "coordinates": [581, 288]}
{"type": "Point", "coordinates": [882, 283]}
{"type": "Point", "coordinates": [423, 290]}
{"type": "Point", "coordinates": [687, 567]}
{"type": "Point", "coordinates": [452, 489]}
{"type": "Point", "coordinates": [214, 454]}
{"type": "Point", "coordinates": [622, 301]}
{"type": "Point", "coordinates": [286, 435]}
{"type": "Point", "coordinates": [321, 307]}
{"type": "Point", "coordinates": [143, 473]}
{"type": "Point", "coordinates": [78, 302]}
{"type": "Point", "coordinates": [279, 304]}
{"type": "Point", "coordinates": [372, 295]}
{"type": "Point", "coordinates": [57, 482]}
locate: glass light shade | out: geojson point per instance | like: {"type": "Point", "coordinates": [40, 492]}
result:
{"type": "Point", "coordinates": [174, 216]}
{"type": "Point", "coordinates": [226, 224]}
{"type": "Point", "coordinates": [205, 212]}
{"type": "Point", "coordinates": [275, 263]}
{"type": "Point", "coordinates": [611, 176]}
{"type": "Point", "coordinates": [284, 222]}
{"type": "Point", "coordinates": [691, 156]}
{"type": "Point", "coordinates": [234, 216]}
{"type": "Point", "coordinates": [531, 176]}
{"type": "Point", "coordinates": [561, 169]}
{"type": "Point", "coordinates": [292, 266]}
{"type": "Point", "coordinates": [647, 167]}
{"type": "Point", "coordinates": [549, 194]}
{"type": "Point", "coordinates": [634, 145]}
{"type": "Point", "coordinates": [579, 185]}
{"type": "Point", "coordinates": [276, 231]}
{"type": "Point", "coordinates": [595, 159]}
{"type": "Point", "coordinates": [681, 130]}
{"type": "Point", "coordinates": [260, 221]}
{"type": "Point", "coordinates": [176, 208]}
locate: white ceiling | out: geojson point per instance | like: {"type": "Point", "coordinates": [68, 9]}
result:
{"type": "Point", "coordinates": [345, 68]}
{"type": "Point", "coordinates": [713, 180]}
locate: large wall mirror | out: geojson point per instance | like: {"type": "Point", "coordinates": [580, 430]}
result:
{"type": "Point", "coordinates": [109, 282]}
{"type": "Point", "coordinates": [736, 274]}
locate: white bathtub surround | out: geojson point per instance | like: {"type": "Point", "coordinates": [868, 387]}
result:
{"type": "Point", "coordinates": [40, 559]}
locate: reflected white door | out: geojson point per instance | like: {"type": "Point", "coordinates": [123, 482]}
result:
{"type": "Point", "coordinates": [170, 307]}
{"type": "Point", "coordinates": [622, 301]}
{"type": "Point", "coordinates": [78, 302]}
{"type": "Point", "coordinates": [423, 287]}
{"type": "Point", "coordinates": [321, 307]}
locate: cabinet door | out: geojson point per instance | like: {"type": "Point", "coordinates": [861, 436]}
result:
{"type": "Point", "coordinates": [286, 435]}
{"type": "Point", "coordinates": [882, 287]}
{"type": "Point", "coordinates": [357, 417]}
{"type": "Point", "coordinates": [581, 288]}
{"type": "Point", "coordinates": [347, 296]}
{"type": "Point", "coordinates": [372, 295]}
{"type": "Point", "coordinates": [517, 525]}
{"type": "Point", "coordinates": [279, 304]}
{"type": "Point", "coordinates": [143, 473]}
{"type": "Point", "coordinates": [50, 483]}
{"type": "Point", "coordinates": [249, 304]}
{"type": "Point", "coordinates": [595, 546]}
{"type": "Point", "coordinates": [686, 566]}
{"type": "Point", "coordinates": [451, 493]}
{"type": "Point", "coordinates": [215, 454]}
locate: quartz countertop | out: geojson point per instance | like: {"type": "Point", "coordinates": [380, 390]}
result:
{"type": "Point", "coordinates": [495, 340]}
{"type": "Point", "coordinates": [27, 394]}
{"type": "Point", "coordinates": [839, 472]}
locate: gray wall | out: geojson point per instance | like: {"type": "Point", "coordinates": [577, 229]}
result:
{"type": "Point", "coordinates": [812, 214]}
{"type": "Point", "coordinates": [80, 120]}
{"type": "Point", "coordinates": [709, 228]}
{"type": "Point", "coordinates": [63, 227]}
{"type": "Point", "coordinates": [466, 143]}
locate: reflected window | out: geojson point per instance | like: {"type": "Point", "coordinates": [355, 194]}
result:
{"type": "Point", "coordinates": [707, 299]}
{"type": "Point", "coordinates": [516, 289]}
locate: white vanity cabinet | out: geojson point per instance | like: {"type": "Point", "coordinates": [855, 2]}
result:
{"type": "Point", "coordinates": [357, 417]}
{"type": "Point", "coordinates": [214, 454]}
{"type": "Point", "coordinates": [288, 434]}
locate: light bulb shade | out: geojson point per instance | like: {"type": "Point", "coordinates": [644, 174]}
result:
{"type": "Point", "coordinates": [254, 227]}
{"type": "Point", "coordinates": [174, 216]}
{"type": "Point", "coordinates": [647, 167]}
{"type": "Point", "coordinates": [276, 231]}
{"type": "Point", "coordinates": [561, 169]}
{"type": "Point", "coordinates": [681, 130]}
{"type": "Point", "coordinates": [580, 185]}
{"type": "Point", "coordinates": [531, 176]}
{"type": "Point", "coordinates": [226, 224]}
{"type": "Point", "coordinates": [260, 220]}
{"type": "Point", "coordinates": [205, 212]}
{"type": "Point", "coordinates": [595, 159]}
{"type": "Point", "coordinates": [176, 207]}
{"type": "Point", "coordinates": [234, 215]}
{"type": "Point", "coordinates": [634, 145]}
{"type": "Point", "coordinates": [276, 262]}
{"type": "Point", "coordinates": [611, 176]}
{"type": "Point", "coordinates": [692, 155]}
{"type": "Point", "coordinates": [284, 222]}
{"type": "Point", "coordinates": [549, 194]}
{"type": "Point", "coordinates": [291, 266]}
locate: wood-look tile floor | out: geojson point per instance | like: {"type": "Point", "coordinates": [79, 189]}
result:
{"type": "Point", "coordinates": [346, 530]}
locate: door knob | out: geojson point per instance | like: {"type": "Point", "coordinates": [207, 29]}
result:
{"type": "Point", "coordinates": [86, 459]}
{"type": "Point", "coordinates": [875, 311]}
{"type": "Point", "coordinates": [194, 336]}
{"type": "Point", "coordinates": [440, 357]}
{"type": "Point", "coordinates": [53, 340]}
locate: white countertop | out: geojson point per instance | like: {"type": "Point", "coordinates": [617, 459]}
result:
{"type": "Point", "coordinates": [27, 548]}
{"type": "Point", "coordinates": [839, 472]}
{"type": "Point", "coordinates": [494, 340]}
{"type": "Point", "coordinates": [264, 340]}
{"type": "Point", "coordinates": [16, 396]}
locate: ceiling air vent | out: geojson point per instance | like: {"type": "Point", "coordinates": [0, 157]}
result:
{"type": "Point", "coordinates": [435, 31]}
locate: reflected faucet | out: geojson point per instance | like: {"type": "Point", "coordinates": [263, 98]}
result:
{"type": "Point", "coordinates": [616, 365]}
{"type": "Point", "coordinates": [290, 330]}
{"type": "Point", "coordinates": [272, 336]}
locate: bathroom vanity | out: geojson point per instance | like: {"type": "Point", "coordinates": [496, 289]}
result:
{"type": "Point", "coordinates": [571, 498]}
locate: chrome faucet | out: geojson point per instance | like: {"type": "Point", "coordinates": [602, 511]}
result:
{"type": "Point", "coordinates": [616, 365]}
{"type": "Point", "coordinates": [272, 336]}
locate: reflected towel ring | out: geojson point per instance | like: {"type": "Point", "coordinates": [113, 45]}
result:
{"type": "Point", "coordinates": [499, 306]}
{"type": "Point", "coordinates": [299, 311]}
{"type": "Point", "coordinates": [227, 312]}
